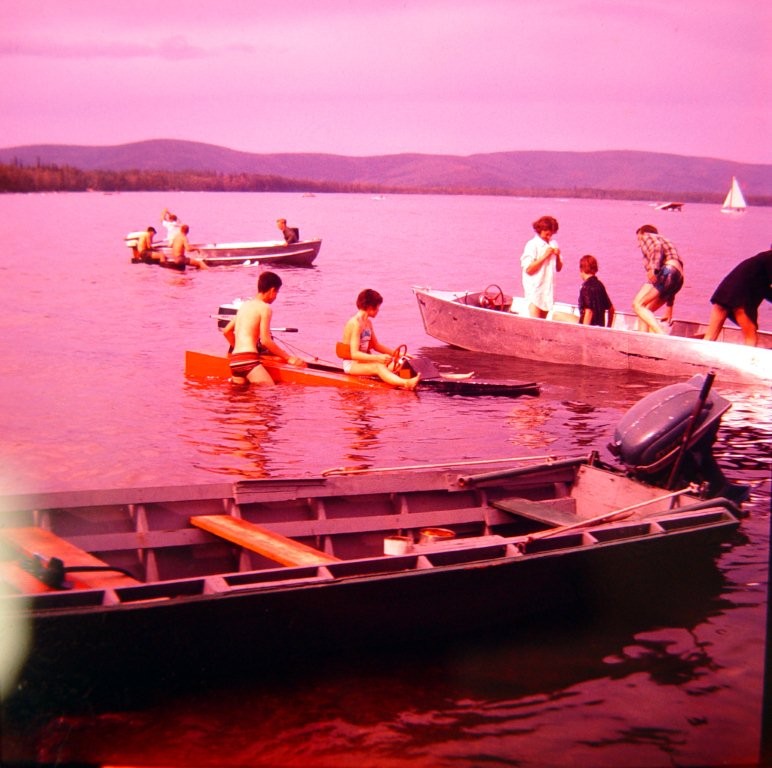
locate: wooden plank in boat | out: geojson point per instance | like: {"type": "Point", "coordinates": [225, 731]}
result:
{"type": "Point", "coordinates": [272, 545]}
{"type": "Point", "coordinates": [19, 580]}
{"type": "Point", "coordinates": [37, 541]}
{"type": "Point", "coordinates": [557, 512]}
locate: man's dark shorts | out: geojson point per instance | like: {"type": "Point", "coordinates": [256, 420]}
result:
{"type": "Point", "coordinates": [668, 282]}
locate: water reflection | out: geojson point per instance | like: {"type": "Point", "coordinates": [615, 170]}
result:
{"type": "Point", "coordinates": [246, 420]}
{"type": "Point", "coordinates": [362, 428]}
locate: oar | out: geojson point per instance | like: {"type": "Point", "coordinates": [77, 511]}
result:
{"type": "Point", "coordinates": [698, 406]}
{"type": "Point", "coordinates": [273, 330]}
{"type": "Point", "coordinates": [611, 515]}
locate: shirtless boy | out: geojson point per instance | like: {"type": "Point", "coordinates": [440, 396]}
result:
{"type": "Point", "coordinates": [250, 331]}
{"type": "Point", "coordinates": [367, 356]}
{"type": "Point", "coordinates": [180, 249]}
{"type": "Point", "coordinates": [144, 250]}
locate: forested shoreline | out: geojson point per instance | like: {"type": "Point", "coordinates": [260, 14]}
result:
{"type": "Point", "coordinates": [17, 178]}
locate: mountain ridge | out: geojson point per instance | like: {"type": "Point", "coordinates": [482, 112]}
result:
{"type": "Point", "coordinates": [667, 175]}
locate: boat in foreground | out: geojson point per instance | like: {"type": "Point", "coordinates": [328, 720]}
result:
{"type": "Point", "coordinates": [482, 321]}
{"type": "Point", "coordinates": [146, 582]}
{"type": "Point", "coordinates": [300, 254]}
{"type": "Point", "coordinates": [143, 580]}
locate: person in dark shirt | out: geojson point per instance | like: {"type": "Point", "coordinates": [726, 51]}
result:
{"type": "Point", "coordinates": [739, 295]}
{"type": "Point", "coordinates": [291, 234]}
{"type": "Point", "coordinates": [594, 302]}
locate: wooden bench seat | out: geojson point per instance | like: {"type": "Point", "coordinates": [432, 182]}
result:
{"type": "Point", "coordinates": [12, 575]}
{"type": "Point", "coordinates": [255, 538]}
{"type": "Point", "coordinates": [37, 541]}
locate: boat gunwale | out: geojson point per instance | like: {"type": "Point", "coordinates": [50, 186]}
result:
{"type": "Point", "coordinates": [419, 563]}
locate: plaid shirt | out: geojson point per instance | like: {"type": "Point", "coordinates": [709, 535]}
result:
{"type": "Point", "coordinates": [656, 251]}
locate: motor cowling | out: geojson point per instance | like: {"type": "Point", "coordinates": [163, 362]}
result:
{"type": "Point", "coordinates": [649, 439]}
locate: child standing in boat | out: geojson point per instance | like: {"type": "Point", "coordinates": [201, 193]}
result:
{"type": "Point", "coordinates": [362, 353]}
{"type": "Point", "coordinates": [593, 297]}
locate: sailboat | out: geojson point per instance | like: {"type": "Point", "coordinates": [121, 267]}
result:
{"type": "Point", "coordinates": [734, 202]}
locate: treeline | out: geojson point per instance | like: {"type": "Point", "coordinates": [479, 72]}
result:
{"type": "Point", "coordinates": [53, 178]}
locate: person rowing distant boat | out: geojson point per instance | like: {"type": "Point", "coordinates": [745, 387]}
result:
{"type": "Point", "coordinates": [249, 334]}
{"type": "Point", "coordinates": [362, 353]}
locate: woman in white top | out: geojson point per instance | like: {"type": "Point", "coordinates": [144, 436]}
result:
{"type": "Point", "coordinates": [540, 261]}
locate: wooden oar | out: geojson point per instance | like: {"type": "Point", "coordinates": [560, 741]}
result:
{"type": "Point", "coordinates": [608, 516]}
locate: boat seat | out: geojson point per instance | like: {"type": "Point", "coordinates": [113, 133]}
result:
{"type": "Point", "coordinates": [255, 538]}
{"type": "Point", "coordinates": [19, 580]}
{"type": "Point", "coordinates": [31, 542]}
{"type": "Point", "coordinates": [553, 512]}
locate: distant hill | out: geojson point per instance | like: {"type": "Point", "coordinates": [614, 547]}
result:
{"type": "Point", "coordinates": [660, 176]}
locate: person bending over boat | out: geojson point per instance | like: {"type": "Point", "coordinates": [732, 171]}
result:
{"type": "Point", "coordinates": [540, 261]}
{"type": "Point", "coordinates": [144, 250]}
{"type": "Point", "coordinates": [665, 276]}
{"type": "Point", "coordinates": [291, 234]}
{"type": "Point", "coordinates": [739, 295]}
{"type": "Point", "coordinates": [363, 354]}
{"type": "Point", "coordinates": [594, 302]}
{"type": "Point", "coordinates": [250, 331]}
{"type": "Point", "coordinates": [180, 249]}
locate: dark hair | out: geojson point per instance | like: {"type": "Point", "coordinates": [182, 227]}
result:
{"type": "Point", "coordinates": [369, 299]}
{"type": "Point", "coordinates": [151, 229]}
{"type": "Point", "coordinates": [647, 228]}
{"type": "Point", "coordinates": [268, 280]}
{"type": "Point", "coordinates": [588, 264]}
{"type": "Point", "coordinates": [545, 222]}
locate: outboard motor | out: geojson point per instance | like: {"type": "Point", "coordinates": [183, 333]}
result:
{"type": "Point", "coordinates": [667, 439]}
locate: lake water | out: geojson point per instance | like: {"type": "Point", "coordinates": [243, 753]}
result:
{"type": "Point", "coordinates": [94, 396]}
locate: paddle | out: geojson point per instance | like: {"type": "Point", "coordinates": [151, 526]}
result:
{"type": "Point", "coordinates": [273, 330]}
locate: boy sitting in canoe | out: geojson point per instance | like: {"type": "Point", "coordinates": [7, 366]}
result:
{"type": "Point", "coordinates": [362, 353]}
{"type": "Point", "coordinates": [250, 330]}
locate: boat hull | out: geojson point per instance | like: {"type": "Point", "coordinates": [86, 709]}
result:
{"type": "Point", "coordinates": [520, 546]}
{"type": "Point", "coordinates": [202, 365]}
{"type": "Point", "coordinates": [300, 254]}
{"type": "Point", "coordinates": [456, 318]}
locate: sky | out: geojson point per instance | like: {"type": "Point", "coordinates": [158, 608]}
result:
{"type": "Point", "coordinates": [376, 77]}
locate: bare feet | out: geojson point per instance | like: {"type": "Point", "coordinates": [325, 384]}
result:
{"type": "Point", "coordinates": [412, 383]}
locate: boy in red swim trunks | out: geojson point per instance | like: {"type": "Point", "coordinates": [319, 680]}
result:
{"type": "Point", "coordinates": [250, 331]}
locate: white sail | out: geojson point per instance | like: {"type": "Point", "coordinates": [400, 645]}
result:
{"type": "Point", "coordinates": [734, 202]}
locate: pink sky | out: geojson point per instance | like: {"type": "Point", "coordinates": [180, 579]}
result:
{"type": "Point", "coordinates": [365, 77]}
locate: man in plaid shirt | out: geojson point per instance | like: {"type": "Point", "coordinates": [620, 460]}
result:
{"type": "Point", "coordinates": [664, 274]}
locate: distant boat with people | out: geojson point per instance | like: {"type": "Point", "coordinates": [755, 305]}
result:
{"type": "Point", "coordinates": [734, 202]}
